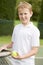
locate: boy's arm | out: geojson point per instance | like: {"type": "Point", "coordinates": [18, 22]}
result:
{"type": "Point", "coordinates": [31, 53]}
{"type": "Point", "coordinates": [10, 45]}
{"type": "Point", "coordinates": [6, 46]}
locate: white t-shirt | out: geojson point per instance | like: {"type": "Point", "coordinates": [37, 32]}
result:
{"type": "Point", "coordinates": [24, 38]}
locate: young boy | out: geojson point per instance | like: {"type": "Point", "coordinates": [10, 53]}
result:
{"type": "Point", "coordinates": [25, 37]}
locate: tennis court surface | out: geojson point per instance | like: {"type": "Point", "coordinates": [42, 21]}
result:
{"type": "Point", "coordinates": [39, 57]}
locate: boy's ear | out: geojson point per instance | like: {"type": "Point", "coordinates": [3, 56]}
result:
{"type": "Point", "coordinates": [31, 13]}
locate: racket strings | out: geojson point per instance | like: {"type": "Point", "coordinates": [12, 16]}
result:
{"type": "Point", "coordinates": [3, 61]}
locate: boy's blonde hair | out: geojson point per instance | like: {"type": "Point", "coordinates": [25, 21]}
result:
{"type": "Point", "coordinates": [24, 5]}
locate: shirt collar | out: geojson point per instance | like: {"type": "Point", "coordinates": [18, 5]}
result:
{"type": "Point", "coordinates": [28, 25]}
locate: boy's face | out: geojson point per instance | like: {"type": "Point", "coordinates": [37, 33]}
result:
{"type": "Point", "coordinates": [24, 15]}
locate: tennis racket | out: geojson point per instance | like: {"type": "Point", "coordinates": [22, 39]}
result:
{"type": "Point", "coordinates": [4, 53]}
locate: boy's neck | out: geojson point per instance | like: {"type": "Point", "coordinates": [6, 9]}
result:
{"type": "Point", "coordinates": [25, 24]}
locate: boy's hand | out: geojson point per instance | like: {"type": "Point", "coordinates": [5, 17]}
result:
{"type": "Point", "coordinates": [17, 57]}
{"type": "Point", "coordinates": [1, 48]}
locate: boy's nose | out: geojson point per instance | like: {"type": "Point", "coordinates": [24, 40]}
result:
{"type": "Point", "coordinates": [23, 16]}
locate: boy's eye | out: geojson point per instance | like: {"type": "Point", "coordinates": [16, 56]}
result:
{"type": "Point", "coordinates": [21, 14]}
{"type": "Point", "coordinates": [25, 13]}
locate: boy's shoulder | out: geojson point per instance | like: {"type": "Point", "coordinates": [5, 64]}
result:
{"type": "Point", "coordinates": [33, 26]}
{"type": "Point", "coordinates": [17, 26]}
{"type": "Point", "coordinates": [35, 29]}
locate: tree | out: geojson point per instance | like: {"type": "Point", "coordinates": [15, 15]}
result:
{"type": "Point", "coordinates": [7, 16]}
{"type": "Point", "coordinates": [40, 24]}
{"type": "Point", "coordinates": [7, 9]}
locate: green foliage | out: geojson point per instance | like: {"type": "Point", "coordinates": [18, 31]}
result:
{"type": "Point", "coordinates": [7, 9]}
{"type": "Point", "coordinates": [7, 13]}
{"type": "Point", "coordinates": [40, 25]}
{"type": "Point", "coordinates": [6, 27]}
{"type": "Point", "coordinates": [41, 13]}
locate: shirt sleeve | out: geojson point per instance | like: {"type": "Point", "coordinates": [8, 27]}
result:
{"type": "Point", "coordinates": [36, 38]}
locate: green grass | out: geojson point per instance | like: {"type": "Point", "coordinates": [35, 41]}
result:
{"type": "Point", "coordinates": [7, 39]}
{"type": "Point", "coordinates": [16, 22]}
{"type": "Point", "coordinates": [41, 41]}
